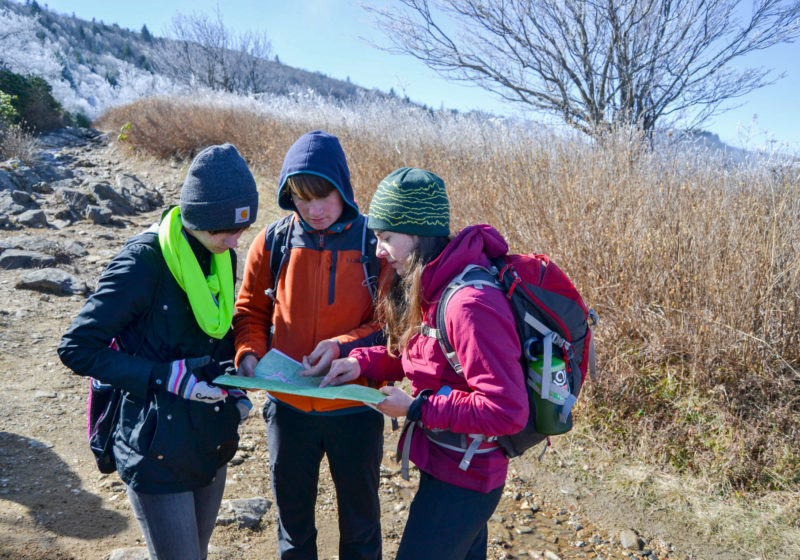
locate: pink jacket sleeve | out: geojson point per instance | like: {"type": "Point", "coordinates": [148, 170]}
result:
{"type": "Point", "coordinates": [377, 364]}
{"type": "Point", "coordinates": [481, 328]}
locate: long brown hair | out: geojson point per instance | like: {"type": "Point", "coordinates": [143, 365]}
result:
{"type": "Point", "coordinates": [400, 310]}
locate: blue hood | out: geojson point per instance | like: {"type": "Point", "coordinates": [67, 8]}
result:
{"type": "Point", "coordinates": [319, 153]}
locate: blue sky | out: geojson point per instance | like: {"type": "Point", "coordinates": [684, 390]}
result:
{"type": "Point", "coordinates": [326, 36]}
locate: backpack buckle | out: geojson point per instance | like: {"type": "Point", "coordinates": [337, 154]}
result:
{"type": "Point", "coordinates": [514, 284]}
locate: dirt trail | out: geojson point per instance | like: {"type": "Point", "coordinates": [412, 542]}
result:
{"type": "Point", "coordinates": [54, 504]}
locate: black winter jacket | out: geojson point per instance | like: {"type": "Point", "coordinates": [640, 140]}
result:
{"type": "Point", "coordinates": [163, 443]}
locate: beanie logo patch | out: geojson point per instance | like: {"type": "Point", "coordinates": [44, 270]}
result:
{"type": "Point", "coordinates": [242, 215]}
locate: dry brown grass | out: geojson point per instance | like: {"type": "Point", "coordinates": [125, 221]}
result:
{"type": "Point", "coordinates": [692, 264]}
{"type": "Point", "coordinates": [16, 142]}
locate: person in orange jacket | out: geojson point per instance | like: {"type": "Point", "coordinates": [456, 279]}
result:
{"type": "Point", "coordinates": [318, 308]}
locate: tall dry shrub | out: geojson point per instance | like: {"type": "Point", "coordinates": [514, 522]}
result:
{"type": "Point", "coordinates": [16, 142]}
{"type": "Point", "coordinates": [691, 261]}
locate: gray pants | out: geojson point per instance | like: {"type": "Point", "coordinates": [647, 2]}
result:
{"type": "Point", "coordinates": [178, 526]}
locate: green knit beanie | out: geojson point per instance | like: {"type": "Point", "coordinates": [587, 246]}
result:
{"type": "Point", "coordinates": [411, 201]}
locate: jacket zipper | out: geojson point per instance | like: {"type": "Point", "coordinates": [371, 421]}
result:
{"type": "Point", "coordinates": [332, 280]}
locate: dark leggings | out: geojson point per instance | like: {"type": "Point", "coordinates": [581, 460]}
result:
{"type": "Point", "coordinates": [447, 522]}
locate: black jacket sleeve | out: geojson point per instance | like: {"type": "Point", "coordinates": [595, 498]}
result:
{"type": "Point", "coordinates": [377, 338]}
{"type": "Point", "coordinates": [124, 296]}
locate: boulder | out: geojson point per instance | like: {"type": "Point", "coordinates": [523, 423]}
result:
{"type": "Point", "coordinates": [43, 188]}
{"type": "Point", "coordinates": [130, 553]}
{"type": "Point", "coordinates": [32, 218]}
{"type": "Point", "coordinates": [24, 199]}
{"type": "Point", "coordinates": [28, 243]}
{"type": "Point", "coordinates": [113, 199]}
{"type": "Point", "coordinates": [15, 258]}
{"type": "Point", "coordinates": [630, 540]}
{"type": "Point", "coordinates": [246, 512]}
{"type": "Point", "coordinates": [52, 281]}
{"type": "Point", "coordinates": [142, 197]}
{"type": "Point", "coordinates": [8, 204]}
{"type": "Point", "coordinates": [70, 136]}
{"type": "Point", "coordinates": [51, 168]}
{"type": "Point", "coordinates": [7, 181]}
{"type": "Point", "coordinates": [74, 250]}
{"type": "Point", "coordinates": [62, 183]}
{"type": "Point", "coordinates": [64, 216]}
{"type": "Point", "coordinates": [76, 200]}
{"type": "Point", "coordinates": [24, 175]}
{"type": "Point", "coordinates": [98, 214]}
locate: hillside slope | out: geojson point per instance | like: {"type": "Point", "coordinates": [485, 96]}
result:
{"type": "Point", "coordinates": [93, 66]}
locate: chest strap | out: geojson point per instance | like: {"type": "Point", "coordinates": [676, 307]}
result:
{"type": "Point", "coordinates": [470, 444]}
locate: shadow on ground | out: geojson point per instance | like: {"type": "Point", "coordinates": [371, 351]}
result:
{"type": "Point", "coordinates": [34, 476]}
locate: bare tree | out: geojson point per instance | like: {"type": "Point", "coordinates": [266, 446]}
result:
{"type": "Point", "coordinates": [204, 51]}
{"type": "Point", "coordinates": [595, 63]}
{"type": "Point", "coordinates": [255, 67]}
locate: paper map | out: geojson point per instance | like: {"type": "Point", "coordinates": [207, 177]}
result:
{"type": "Point", "coordinates": [278, 372]}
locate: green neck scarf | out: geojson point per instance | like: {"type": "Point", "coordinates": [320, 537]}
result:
{"type": "Point", "coordinates": [211, 297]}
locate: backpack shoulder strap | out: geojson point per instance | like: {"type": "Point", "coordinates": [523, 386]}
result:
{"type": "Point", "coordinates": [369, 260]}
{"type": "Point", "coordinates": [472, 275]}
{"type": "Point", "coordinates": [280, 239]}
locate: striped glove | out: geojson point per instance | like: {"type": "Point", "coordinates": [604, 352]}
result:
{"type": "Point", "coordinates": [182, 381]}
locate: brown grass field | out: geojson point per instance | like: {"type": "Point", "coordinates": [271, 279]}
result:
{"type": "Point", "coordinates": [692, 263]}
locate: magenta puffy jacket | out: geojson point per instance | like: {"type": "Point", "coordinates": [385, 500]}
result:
{"type": "Point", "coordinates": [490, 398]}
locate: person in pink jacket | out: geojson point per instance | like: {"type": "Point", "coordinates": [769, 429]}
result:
{"type": "Point", "coordinates": [447, 412]}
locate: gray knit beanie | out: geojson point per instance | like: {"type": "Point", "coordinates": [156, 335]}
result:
{"type": "Point", "coordinates": [219, 191]}
{"type": "Point", "coordinates": [411, 201]}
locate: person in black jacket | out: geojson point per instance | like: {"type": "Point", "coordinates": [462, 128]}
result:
{"type": "Point", "coordinates": [166, 302]}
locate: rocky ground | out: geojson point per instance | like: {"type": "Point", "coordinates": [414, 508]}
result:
{"type": "Point", "coordinates": [61, 220]}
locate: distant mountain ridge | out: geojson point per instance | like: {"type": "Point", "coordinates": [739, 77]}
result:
{"type": "Point", "coordinates": [92, 65]}
{"type": "Point", "coordinates": [712, 142]}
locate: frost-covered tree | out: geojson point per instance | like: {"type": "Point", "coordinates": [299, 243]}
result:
{"type": "Point", "coordinates": [22, 50]}
{"type": "Point", "coordinates": [14, 30]}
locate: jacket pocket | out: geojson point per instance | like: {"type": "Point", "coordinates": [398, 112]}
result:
{"type": "Point", "coordinates": [213, 424]}
{"type": "Point", "coordinates": [167, 437]}
{"type": "Point", "coordinates": [139, 421]}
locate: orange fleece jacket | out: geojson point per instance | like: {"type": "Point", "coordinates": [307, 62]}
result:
{"type": "Point", "coordinates": [321, 294]}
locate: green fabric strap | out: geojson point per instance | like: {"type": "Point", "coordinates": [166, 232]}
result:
{"type": "Point", "coordinates": [211, 297]}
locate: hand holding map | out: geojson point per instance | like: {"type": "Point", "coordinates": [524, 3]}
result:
{"type": "Point", "coordinates": [277, 372]}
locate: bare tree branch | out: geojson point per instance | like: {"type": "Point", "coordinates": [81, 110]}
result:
{"type": "Point", "coordinates": [205, 52]}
